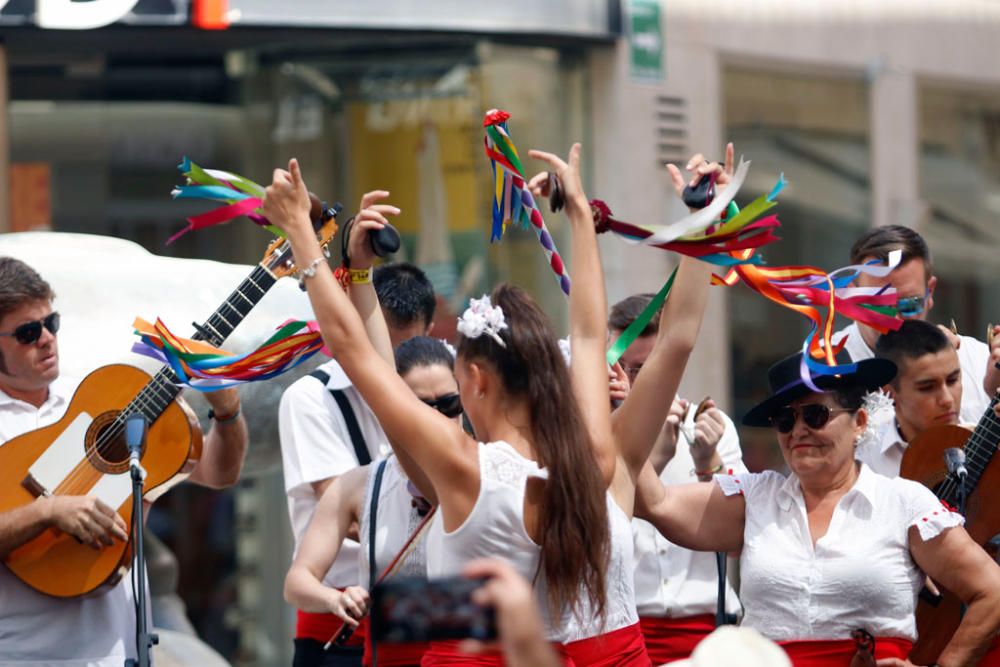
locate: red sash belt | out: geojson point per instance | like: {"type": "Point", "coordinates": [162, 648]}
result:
{"type": "Point", "coordinates": [323, 626]}
{"type": "Point", "coordinates": [838, 652]}
{"type": "Point", "coordinates": [620, 648]}
{"type": "Point", "coordinates": [670, 639]}
{"type": "Point", "coordinates": [396, 655]}
{"type": "Point", "coordinates": [446, 654]}
{"type": "Point", "coordinates": [992, 657]}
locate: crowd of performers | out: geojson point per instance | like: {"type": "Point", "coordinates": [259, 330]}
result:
{"type": "Point", "coordinates": [536, 463]}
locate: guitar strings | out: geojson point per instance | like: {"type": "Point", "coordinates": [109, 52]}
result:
{"type": "Point", "coordinates": [261, 280]}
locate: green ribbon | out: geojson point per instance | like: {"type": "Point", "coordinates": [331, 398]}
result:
{"type": "Point", "coordinates": [640, 323]}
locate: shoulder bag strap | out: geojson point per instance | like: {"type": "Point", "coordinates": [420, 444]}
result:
{"type": "Point", "coordinates": [372, 575]}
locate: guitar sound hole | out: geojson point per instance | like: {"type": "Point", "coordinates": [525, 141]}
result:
{"type": "Point", "coordinates": [106, 447]}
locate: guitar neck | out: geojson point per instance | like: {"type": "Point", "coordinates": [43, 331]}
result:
{"type": "Point", "coordinates": [979, 450]}
{"type": "Point", "coordinates": [161, 391]}
{"type": "Point", "coordinates": [236, 307]}
{"type": "Point", "coordinates": [982, 444]}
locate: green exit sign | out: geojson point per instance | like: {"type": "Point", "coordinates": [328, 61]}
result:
{"type": "Point", "coordinates": [645, 39]}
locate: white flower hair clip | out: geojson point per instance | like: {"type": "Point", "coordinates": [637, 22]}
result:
{"type": "Point", "coordinates": [881, 410]}
{"type": "Point", "coordinates": [567, 351]}
{"type": "Point", "coordinates": [448, 346]}
{"type": "Point", "coordinates": [482, 317]}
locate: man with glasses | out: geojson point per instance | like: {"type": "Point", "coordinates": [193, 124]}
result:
{"type": "Point", "coordinates": [99, 629]}
{"type": "Point", "coordinates": [915, 281]}
{"type": "Point", "coordinates": [676, 589]}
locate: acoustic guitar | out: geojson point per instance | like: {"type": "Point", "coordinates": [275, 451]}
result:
{"type": "Point", "coordinates": [923, 462]}
{"type": "Point", "coordinates": [84, 453]}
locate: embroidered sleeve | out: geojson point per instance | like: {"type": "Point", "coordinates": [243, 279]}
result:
{"type": "Point", "coordinates": [930, 515]}
{"type": "Point", "coordinates": [732, 485]}
{"type": "Point", "coordinates": [932, 522]}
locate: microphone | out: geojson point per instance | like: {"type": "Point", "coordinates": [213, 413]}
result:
{"type": "Point", "coordinates": [136, 427]}
{"type": "Point", "coordinates": [954, 459]}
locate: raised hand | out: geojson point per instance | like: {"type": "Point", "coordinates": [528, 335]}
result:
{"type": "Point", "coordinates": [992, 380]}
{"type": "Point", "coordinates": [568, 172]}
{"type": "Point", "coordinates": [708, 429]}
{"type": "Point", "coordinates": [87, 519]}
{"type": "Point", "coordinates": [618, 383]}
{"type": "Point", "coordinates": [286, 200]}
{"type": "Point", "coordinates": [700, 168]}
{"type": "Point", "coordinates": [371, 217]}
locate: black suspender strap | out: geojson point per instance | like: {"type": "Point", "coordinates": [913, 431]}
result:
{"type": "Point", "coordinates": [357, 440]}
{"type": "Point", "coordinates": [372, 518]}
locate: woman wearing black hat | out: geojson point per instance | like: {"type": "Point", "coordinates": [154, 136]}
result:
{"type": "Point", "coordinates": [833, 555]}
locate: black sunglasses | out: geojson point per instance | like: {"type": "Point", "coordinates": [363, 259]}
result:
{"type": "Point", "coordinates": [30, 332]}
{"type": "Point", "coordinates": [450, 405]}
{"type": "Point", "coordinates": [815, 416]}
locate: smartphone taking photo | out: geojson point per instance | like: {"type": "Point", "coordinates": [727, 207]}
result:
{"type": "Point", "coordinates": [418, 610]}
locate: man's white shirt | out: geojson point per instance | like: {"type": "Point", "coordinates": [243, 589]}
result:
{"type": "Point", "coordinates": [671, 581]}
{"type": "Point", "coordinates": [42, 631]}
{"type": "Point", "coordinates": [316, 445]}
{"type": "Point", "coordinates": [883, 451]}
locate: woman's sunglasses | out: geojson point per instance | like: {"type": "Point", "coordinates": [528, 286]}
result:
{"type": "Point", "coordinates": [450, 405]}
{"type": "Point", "coordinates": [30, 332]}
{"type": "Point", "coordinates": [815, 416]}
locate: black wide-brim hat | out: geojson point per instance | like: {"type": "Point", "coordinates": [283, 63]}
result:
{"type": "Point", "coordinates": [785, 378]}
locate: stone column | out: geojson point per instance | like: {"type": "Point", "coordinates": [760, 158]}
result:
{"type": "Point", "coordinates": [895, 149]}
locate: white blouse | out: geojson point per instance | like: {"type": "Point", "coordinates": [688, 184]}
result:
{"type": "Point", "coordinates": [619, 609]}
{"type": "Point", "coordinates": [860, 573]}
{"type": "Point", "coordinates": [396, 521]}
{"type": "Point", "coordinates": [495, 527]}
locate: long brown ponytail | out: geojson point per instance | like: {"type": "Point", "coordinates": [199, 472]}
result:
{"type": "Point", "coordinates": [573, 518]}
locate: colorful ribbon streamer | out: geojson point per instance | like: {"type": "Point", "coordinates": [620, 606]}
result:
{"type": "Point", "coordinates": [241, 196]}
{"type": "Point", "coordinates": [740, 230]}
{"type": "Point", "coordinates": [805, 289]}
{"type": "Point", "coordinates": [512, 201]}
{"type": "Point", "coordinates": [207, 368]}
{"type": "Point", "coordinates": [639, 324]}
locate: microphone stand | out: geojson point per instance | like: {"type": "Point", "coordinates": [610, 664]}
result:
{"type": "Point", "coordinates": [135, 436]}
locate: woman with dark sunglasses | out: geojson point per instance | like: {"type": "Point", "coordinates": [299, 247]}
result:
{"type": "Point", "coordinates": [834, 554]}
{"type": "Point", "coordinates": [427, 366]}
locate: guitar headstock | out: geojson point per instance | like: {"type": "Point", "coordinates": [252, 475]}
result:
{"type": "Point", "coordinates": [279, 260]}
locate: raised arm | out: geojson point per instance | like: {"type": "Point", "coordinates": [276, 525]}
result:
{"type": "Point", "coordinates": [639, 420]}
{"type": "Point", "coordinates": [371, 217]}
{"type": "Point", "coordinates": [697, 516]}
{"type": "Point", "coordinates": [588, 306]}
{"type": "Point", "coordinates": [338, 508]}
{"type": "Point", "coordinates": [436, 443]}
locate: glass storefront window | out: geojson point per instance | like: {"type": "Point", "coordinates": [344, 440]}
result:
{"type": "Point", "coordinates": [960, 185]}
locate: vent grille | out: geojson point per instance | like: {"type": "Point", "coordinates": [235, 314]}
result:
{"type": "Point", "coordinates": [671, 129]}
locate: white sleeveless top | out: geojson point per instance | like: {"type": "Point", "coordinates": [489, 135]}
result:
{"type": "Point", "coordinates": [620, 609]}
{"type": "Point", "coordinates": [495, 526]}
{"type": "Point", "coordinates": [396, 520]}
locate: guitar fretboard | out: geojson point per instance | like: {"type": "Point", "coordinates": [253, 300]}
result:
{"type": "Point", "coordinates": [979, 450]}
{"type": "Point", "coordinates": [160, 391]}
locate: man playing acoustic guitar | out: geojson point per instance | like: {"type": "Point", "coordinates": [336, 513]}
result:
{"type": "Point", "coordinates": [926, 392]}
{"type": "Point", "coordinates": [100, 629]}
